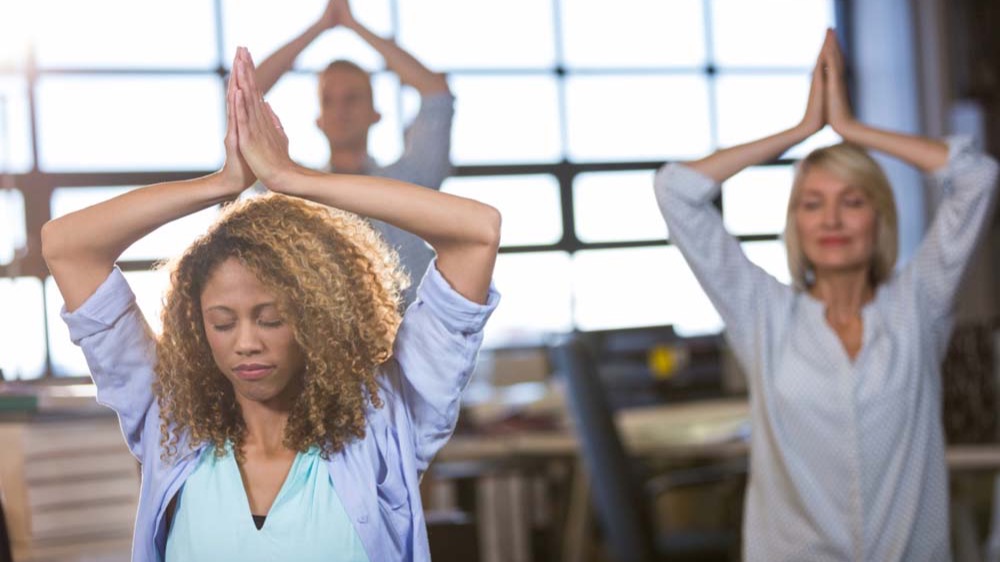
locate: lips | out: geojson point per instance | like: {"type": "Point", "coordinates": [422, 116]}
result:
{"type": "Point", "coordinates": [834, 240]}
{"type": "Point", "coordinates": [253, 371]}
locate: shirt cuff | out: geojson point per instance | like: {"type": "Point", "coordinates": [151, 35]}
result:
{"type": "Point", "coordinates": [685, 182]}
{"type": "Point", "coordinates": [442, 102]}
{"type": "Point", "coordinates": [456, 312]}
{"type": "Point", "coordinates": [102, 309]}
{"type": "Point", "coordinates": [961, 151]}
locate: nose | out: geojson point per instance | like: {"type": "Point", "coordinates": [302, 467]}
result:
{"type": "Point", "coordinates": [247, 340]}
{"type": "Point", "coordinates": [831, 215]}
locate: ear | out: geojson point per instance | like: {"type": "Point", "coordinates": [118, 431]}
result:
{"type": "Point", "coordinates": [319, 122]}
{"type": "Point", "coordinates": [376, 117]}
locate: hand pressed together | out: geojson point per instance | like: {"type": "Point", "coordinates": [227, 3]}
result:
{"type": "Point", "coordinates": [261, 139]}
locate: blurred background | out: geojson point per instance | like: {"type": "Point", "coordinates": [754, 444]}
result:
{"type": "Point", "coordinates": [564, 110]}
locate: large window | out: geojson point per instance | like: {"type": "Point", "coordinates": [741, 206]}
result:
{"type": "Point", "coordinates": [565, 108]}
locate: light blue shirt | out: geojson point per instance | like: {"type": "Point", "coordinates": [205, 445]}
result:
{"type": "Point", "coordinates": [847, 457]}
{"type": "Point", "coordinates": [306, 522]}
{"type": "Point", "coordinates": [376, 477]}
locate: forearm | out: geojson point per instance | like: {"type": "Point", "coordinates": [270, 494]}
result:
{"type": "Point", "coordinates": [725, 163]}
{"type": "Point", "coordinates": [410, 71]}
{"type": "Point", "coordinates": [438, 218]}
{"type": "Point", "coordinates": [271, 69]}
{"type": "Point", "coordinates": [82, 247]}
{"type": "Point", "coordinates": [927, 154]}
{"type": "Point", "coordinates": [464, 233]}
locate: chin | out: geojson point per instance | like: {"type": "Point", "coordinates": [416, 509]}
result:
{"type": "Point", "coordinates": [269, 391]}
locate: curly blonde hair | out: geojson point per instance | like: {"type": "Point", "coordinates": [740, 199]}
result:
{"type": "Point", "coordinates": [339, 287]}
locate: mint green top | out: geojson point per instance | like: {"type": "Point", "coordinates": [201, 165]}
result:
{"type": "Point", "coordinates": [307, 522]}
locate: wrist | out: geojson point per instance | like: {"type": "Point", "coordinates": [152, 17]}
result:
{"type": "Point", "coordinates": [318, 27]}
{"type": "Point", "coordinates": [285, 179]}
{"type": "Point", "coordinates": [802, 131]}
{"type": "Point", "coordinates": [848, 129]}
{"type": "Point", "coordinates": [220, 186]}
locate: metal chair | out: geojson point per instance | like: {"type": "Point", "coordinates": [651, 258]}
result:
{"type": "Point", "coordinates": [620, 488]}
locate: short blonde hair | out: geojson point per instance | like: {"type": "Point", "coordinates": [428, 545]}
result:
{"type": "Point", "coordinates": [854, 165]}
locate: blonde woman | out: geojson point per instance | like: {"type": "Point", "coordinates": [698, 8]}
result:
{"type": "Point", "coordinates": [847, 448]}
{"type": "Point", "coordinates": [287, 411]}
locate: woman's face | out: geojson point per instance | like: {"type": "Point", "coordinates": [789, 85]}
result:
{"type": "Point", "coordinates": [252, 343]}
{"type": "Point", "coordinates": [836, 224]}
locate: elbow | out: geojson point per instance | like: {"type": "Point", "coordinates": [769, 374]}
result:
{"type": "Point", "coordinates": [52, 241]}
{"type": "Point", "coordinates": [489, 231]}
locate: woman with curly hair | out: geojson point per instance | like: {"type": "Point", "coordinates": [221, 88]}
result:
{"type": "Point", "coordinates": [287, 411]}
{"type": "Point", "coordinates": [848, 459]}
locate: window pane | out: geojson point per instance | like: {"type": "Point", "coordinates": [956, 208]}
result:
{"type": "Point", "coordinates": [639, 287]}
{"type": "Point", "coordinates": [67, 359]}
{"type": "Point", "coordinates": [536, 292]}
{"type": "Point", "coordinates": [17, 25]}
{"type": "Point", "coordinates": [127, 34]}
{"type": "Point", "coordinates": [505, 119]}
{"type": "Point", "coordinates": [644, 33]}
{"type": "Point", "coordinates": [12, 231]}
{"type": "Point", "coordinates": [637, 117]}
{"type": "Point", "coordinates": [22, 328]}
{"type": "Point", "coordinates": [769, 33]}
{"type": "Point", "coordinates": [15, 131]}
{"type": "Point", "coordinates": [771, 256]}
{"type": "Point", "coordinates": [111, 123]}
{"type": "Point", "coordinates": [264, 26]}
{"type": "Point", "coordinates": [529, 204]}
{"type": "Point", "coordinates": [616, 207]}
{"type": "Point", "coordinates": [448, 34]}
{"type": "Point", "coordinates": [168, 241]}
{"type": "Point", "coordinates": [385, 141]}
{"type": "Point", "coordinates": [755, 200]}
{"type": "Point", "coordinates": [755, 106]}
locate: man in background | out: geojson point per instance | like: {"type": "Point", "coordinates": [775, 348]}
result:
{"type": "Point", "coordinates": [347, 113]}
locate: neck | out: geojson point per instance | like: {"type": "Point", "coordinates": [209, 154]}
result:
{"type": "Point", "coordinates": [349, 160]}
{"type": "Point", "coordinates": [843, 292]}
{"type": "Point", "coordinates": [265, 423]}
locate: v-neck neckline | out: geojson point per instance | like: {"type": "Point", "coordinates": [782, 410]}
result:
{"type": "Point", "coordinates": [867, 318]}
{"type": "Point", "coordinates": [282, 492]}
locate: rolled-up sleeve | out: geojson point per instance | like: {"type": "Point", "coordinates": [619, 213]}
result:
{"type": "Point", "coordinates": [120, 350]}
{"type": "Point", "coordinates": [426, 158]}
{"type": "Point", "coordinates": [436, 349]}
{"type": "Point", "coordinates": [968, 186]}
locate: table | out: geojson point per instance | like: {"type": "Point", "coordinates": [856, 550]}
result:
{"type": "Point", "coordinates": [704, 430]}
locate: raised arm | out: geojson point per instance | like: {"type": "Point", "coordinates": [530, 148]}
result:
{"type": "Point", "coordinates": [464, 233]}
{"type": "Point", "coordinates": [271, 69]}
{"type": "Point", "coordinates": [927, 154]}
{"type": "Point", "coordinates": [410, 71]}
{"type": "Point", "coordinates": [723, 164]}
{"type": "Point", "coordinates": [81, 248]}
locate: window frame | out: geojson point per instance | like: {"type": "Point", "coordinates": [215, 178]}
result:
{"type": "Point", "coordinates": [37, 186]}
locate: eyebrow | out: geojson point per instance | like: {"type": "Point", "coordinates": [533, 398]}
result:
{"type": "Point", "coordinates": [256, 308]}
{"type": "Point", "coordinates": [847, 189]}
